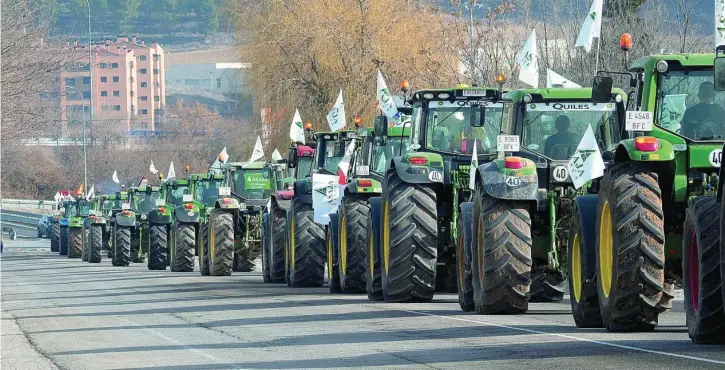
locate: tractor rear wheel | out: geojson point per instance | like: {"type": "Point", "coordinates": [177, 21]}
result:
{"type": "Point", "coordinates": [306, 248]}
{"type": "Point", "coordinates": [221, 244]}
{"type": "Point", "coordinates": [630, 247]}
{"type": "Point", "coordinates": [353, 243]}
{"type": "Point", "coordinates": [276, 244]}
{"type": "Point", "coordinates": [501, 252]}
{"type": "Point", "coordinates": [374, 283]}
{"type": "Point", "coordinates": [242, 261]}
{"type": "Point", "coordinates": [122, 246]}
{"type": "Point", "coordinates": [204, 250]}
{"type": "Point", "coordinates": [463, 258]}
{"type": "Point", "coordinates": [158, 244]}
{"type": "Point", "coordinates": [75, 242]}
{"type": "Point", "coordinates": [333, 258]}
{"type": "Point", "coordinates": [410, 238]}
{"type": "Point", "coordinates": [547, 285]}
{"type": "Point", "coordinates": [584, 298]}
{"type": "Point", "coordinates": [701, 269]}
{"type": "Point", "coordinates": [265, 248]}
{"type": "Point", "coordinates": [85, 244]}
{"type": "Point", "coordinates": [55, 238]}
{"type": "Point", "coordinates": [183, 250]}
{"type": "Point", "coordinates": [95, 244]}
{"type": "Point", "coordinates": [63, 241]}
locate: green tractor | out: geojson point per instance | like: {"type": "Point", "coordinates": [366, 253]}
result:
{"type": "Point", "coordinates": [186, 215]}
{"type": "Point", "coordinates": [55, 232]}
{"type": "Point", "coordinates": [133, 232]}
{"type": "Point", "coordinates": [521, 209]}
{"type": "Point", "coordinates": [307, 239]}
{"type": "Point", "coordinates": [112, 207]}
{"type": "Point", "coordinates": [97, 224]}
{"type": "Point", "coordinates": [67, 210]}
{"type": "Point", "coordinates": [652, 226]}
{"type": "Point", "coordinates": [78, 230]}
{"type": "Point", "coordinates": [215, 239]}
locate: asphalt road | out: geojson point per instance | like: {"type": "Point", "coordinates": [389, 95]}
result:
{"type": "Point", "coordinates": [67, 314]}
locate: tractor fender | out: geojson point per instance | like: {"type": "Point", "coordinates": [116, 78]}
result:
{"type": "Point", "coordinates": [303, 190]}
{"type": "Point", "coordinates": [76, 222]}
{"type": "Point", "coordinates": [587, 205]}
{"type": "Point", "coordinates": [626, 151]}
{"type": "Point", "coordinates": [128, 221]}
{"type": "Point", "coordinates": [375, 211]}
{"type": "Point", "coordinates": [430, 172]}
{"type": "Point", "coordinates": [158, 218]}
{"type": "Point", "coordinates": [63, 221]}
{"type": "Point", "coordinates": [99, 221]}
{"type": "Point", "coordinates": [227, 204]}
{"type": "Point", "coordinates": [182, 215]}
{"type": "Point", "coordinates": [504, 183]}
{"type": "Point", "coordinates": [364, 186]}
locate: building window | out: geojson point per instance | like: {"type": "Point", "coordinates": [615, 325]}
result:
{"type": "Point", "coordinates": [70, 81]}
{"type": "Point", "coordinates": [117, 108]}
{"type": "Point", "coordinates": [144, 84]}
{"type": "Point", "coordinates": [116, 79]}
{"type": "Point", "coordinates": [156, 71]}
{"type": "Point", "coordinates": [132, 93]}
{"type": "Point", "coordinates": [116, 93]}
{"type": "Point", "coordinates": [143, 71]}
{"type": "Point", "coordinates": [104, 93]}
{"type": "Point", "coordinates": [143, 111]}
{"type": "Point", "coordinates": [218, 83]}
{"type": "Point", "coordinates": [104, 108]}
{"type": "Point", "coordinates": [114, 65]}
{"type": "Point", "coordinates": [157, 98]}
{"type": "Point", "coordinates": [144, 98]}
{"type": "Point", "coordinates": [102, 65]}
{"type": "Point", "coordinates": [86, 80]}
{"type": "Point", "coordinates": [104, 79]}
{"type": "Point", "coordinates": [86, 95]}
{"type": "Point", "coordinates": [143, 57]}
{"type": "Point", "coordinates": [156, 57]}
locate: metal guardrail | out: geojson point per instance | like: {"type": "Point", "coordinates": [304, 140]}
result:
{"type": "Point", "coordinates": [27, 204]}
{"type": "Point", "coordinates": [12, 220]}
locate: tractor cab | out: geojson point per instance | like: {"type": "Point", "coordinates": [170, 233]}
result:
{"type": "Point", "coordinates": [177, 191]}
{"type": "Point", "coordinates": [250, 183]}
{"type": "Point", "coordinates": [206, 188]}
{"type": "Point", "coordinates": [329, 150]}
{"type": "Point", "coordinates": [144, 198]}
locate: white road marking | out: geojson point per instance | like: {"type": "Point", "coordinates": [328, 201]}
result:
{"type": "Point", "coordinates": [532, 331]}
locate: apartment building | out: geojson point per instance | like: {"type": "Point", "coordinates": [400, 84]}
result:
{"type": "Point", "coordinates": [128, 86]}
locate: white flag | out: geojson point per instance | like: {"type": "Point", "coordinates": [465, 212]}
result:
{"type": "Point", "coordinates": [115, 178]}
{"type": "Point", "coordinates": [216, 166]}
{"type": "Point", "coordinates": [296, 130]}
{"type": "Point", "coordinates": [152, 168]}
{"type": "Point", "coordinates": [91, 193]}
{"type": "Point", "coordinates": [258, 152]}
{"type": "Point", "coordinates": [172, 172]}
{"type": "Point", "coordinates": [344, 165]}
{"type": "Point", "coordinates": [57, 197]}
{"type": "Point", "coordinates": [528, 61]}
{"type": "Point", "coordinates": [586, 163]}
{"type": "Point", "coordinates": [592, 26]}
{"type": "Point", "coordinates": [474, 166]}
{"type": "Point", "coordinates": [554, 79]}
{"type": "Point", "coordinates": [276, 156]}
{"type": "Point", "coordinates": [386, 103]}
{"type": "Point", "coordinates": [719, 23]}
{"type": "Point", "coordinates": [325, 195]}
{"type": "Point", "coordinates": [336, 117]}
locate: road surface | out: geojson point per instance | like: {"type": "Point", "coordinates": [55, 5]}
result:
{"type": "Point", "coordinates": [61, 313]}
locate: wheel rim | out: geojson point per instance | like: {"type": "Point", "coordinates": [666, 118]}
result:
{"type": "Point", "coordinates": [371, 256]}
{"type": "Point", "coordinates": [576, 268]}
{"type": "Point", "coordinates": [694, 272]}
{"type": "Point", "coordinates": [343, 244]}
{"type": "Point", "coordinates": [386, 235]}
{"type": "Point", "coordinates": [329, 255]}
{"type": "Point", "coordinates": [605, 249]}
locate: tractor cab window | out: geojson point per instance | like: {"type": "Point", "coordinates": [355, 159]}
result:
{"type": "Point", "coordinates": [112, 204]}
{"type": "Point", "coordinates": [84, 208]}
{"type": "Point", "coordinates": [382, 154]}
{"type": "Point", "coordinates": [331, 153]}
{"type": "Point", "coordinates": [455, 127]}
{"type": "Point", "coordinates": [688, 104]}
{"type": "Point", "coordinates": [144, 203]}
{"type": "Point", "coordinates": [207, 191]}
{"type": "Point", "coordinates": [175, 195]}
{"type": "Point", "coordinates": [253, 184]}
{"type": "Point", "coordinates": [555, 129]}
{"type": "Point", "coordinates": [70, 211]}
{"type": "Point", "coordinates": [304, 167]}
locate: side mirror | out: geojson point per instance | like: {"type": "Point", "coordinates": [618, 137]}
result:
{"type": "Point", "coordinates": [481, 119]}
{"type": "Point", "coordinates": [148, 190]}
{"type": "Point", "coordinates": [608, 155]}
{"type": "Point", "coordinates": [719, 73]}
{"type": "Point", "coordinates": [602, 89]}
{"type": "Point", "coordinates": [381, 126]}
{"type": "Point", "coordinates": [292, 157]}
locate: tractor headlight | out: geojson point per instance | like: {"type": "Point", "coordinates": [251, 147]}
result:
{"type": "Point", "coordinates": [662, 66]}
{"type": "Point", "coordinates": [618, 98]}
{"type": "Point", "coordinates": [144, 217]}
{"type": "Point", "coordinates": [528, 98]}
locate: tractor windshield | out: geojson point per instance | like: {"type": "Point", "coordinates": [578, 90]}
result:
{"type": "Point", "coordinates": [304, 167]}
{"type": "Point", "coordinates": [207, 191]}
{"type": "Point", "coordinates": [70, 210]}
{"type": "Point", "coordinates": [383, 154]}
{"type": "Point", "coordinates": [143, 202]}
{"type": "Point", "coordinates": [555, 129]}
{"type": "Point", "coordinates": [688, 104]}
{"type": "Point", "coordinates": [175, 195]}
{"type": "Point", "coordinates": [84, 208]}
{"type": "Point", "coordinates": [333, 152]}
{"type": "Point", "coordinates": [455, 127]}
{"type": "Point", "coordinates": [253, 184]}
{"type": "Point", "coordinates": [109, 204]}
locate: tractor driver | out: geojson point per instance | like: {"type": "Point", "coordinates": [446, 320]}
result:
{"type": "Point", "coordinates": [699, 121]}
{"type": "Point", "coordinates": [563, 143]}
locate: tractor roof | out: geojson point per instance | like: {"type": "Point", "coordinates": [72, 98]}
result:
{"type": "Point", "coordinates": [584, 93]}
{"type": "Point", "coordinates": [181, 181]}
{"type": "Point", "coordinates": [205, 176]}
{"type": "Point", "coordinates": [245, 165]}
{"type": "Point", "coordinates": [686, 60]}
{"type": "Point", "coordinates": [459, 92]}
{"type": "Point", "coordinates": [142, 188]}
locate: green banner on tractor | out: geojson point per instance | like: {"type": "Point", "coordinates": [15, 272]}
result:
{"type": "Point", "coordinates": [256, 181]}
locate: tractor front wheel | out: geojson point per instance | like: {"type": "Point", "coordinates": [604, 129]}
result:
{"type": "Point", "coordinates": [463, 258]}
{"type": "Point", "coordinates": [221, 244]}
{"type": "Point", "coordinates": [95, 244]}
{"type": "Point", "coordinates": [333, 258]}
{"type": "Point", "coordinates": [75, 242]}
{"type": "Point", "coordinates": [55, 238]}
{"type": "Point", "coordinates": [122, 246]}
{"type": "Point", "coordinates": [306, 248]}
{"type": "Point", "coordinates": [158, 244]}
{"type": "Point", "coordinates": [63, 249]}
{"type": "Point", "coordinates": [276, 243]}
{"type": "Point", "coordinates": [204, 250]}
{"type": "Point", "coordinates": [374, 283]}
{"type": "Point", "coordinates": [353, 243]}
{"type": "Point", "coordinates": [183, 250]}
{"type": "Point", "coordinates": [582, 264]}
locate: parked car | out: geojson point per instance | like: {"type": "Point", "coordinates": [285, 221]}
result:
{"type": "Point", "coordinates": [44, 227]}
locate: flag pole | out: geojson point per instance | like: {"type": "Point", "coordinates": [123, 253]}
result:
{"type": "Point", "coordinates": [596, 64]}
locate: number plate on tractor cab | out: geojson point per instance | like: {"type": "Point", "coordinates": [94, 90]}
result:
{"type": "Point", "coordinates": [225, 190]}
{"type": "Point", "coordinates": [160, 202]}
{"type": "Point", "coordinates": [639, 121]}
{"type": "Point", "coordinates": [508, 143]}
{"type": "Point", "coordinates": [362, 170]}
{"type": "Point", "coordinates": [187, 198]}
{"type": "Point", "coordinates": [125, 206]}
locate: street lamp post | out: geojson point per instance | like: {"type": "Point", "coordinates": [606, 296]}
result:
{"type": "Point", "coordinates": [90, 74]}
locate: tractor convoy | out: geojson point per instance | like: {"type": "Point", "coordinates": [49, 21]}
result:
{"type": "Point", "coordinates": [505, 197]}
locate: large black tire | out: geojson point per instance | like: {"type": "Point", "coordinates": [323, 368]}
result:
{"type": "Point", "coordinates": [96, 244]}
{"type": "Point", "coordinates": [75, 242]}
{"type": "Point", "coordinates": [333, 255]}
{"type": "Point", "coordinates": [85, 245]}
{"type": "Point", "coordinates": [204, 250]}
{"type": "Point", "coordinates": [276, 244]}
{"type": "Point", "coordinates": [158, 247]}
{"type": "Point", "coordinates": [265, 248]}
{"type": "Point", "coordinates": [182, 253]}
{"type": "Point", "coordinates": [547, 285]}
{"type": "Point", "coordinates": [374, 280]}
{"type": "Point", "coordinates": [353, 242]}
{"type": "Point", "coordinates": [242, 263]}
{"type": "Point", "coordinates": [55, 238]}
{"type": "Point", "coordinates": [630, 248]}
{"type": "Point", "coordinates": [307, 247]}
{"type": "Point", "coordinates": [122, 246]}
{"type": "Point", "coordinates": [63, 241]}
{"type": "Point", "coordinates": [501, 255]}
{"type": "Point", "coordinates": [410, 240]}
{"type": "Point", "coordinates": [221, 244]}
{"type": "Point", "coordinates": [287, 254]}
{"type": "Point", "coordinates": [581, 254]}
{"type": "Point", "coordinates": [701, 270]}
{"type": "Point", "coordinates": [463, 258]}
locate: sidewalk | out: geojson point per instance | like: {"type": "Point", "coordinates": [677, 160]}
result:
{"type": "Point", "coordinates": [16, 352]}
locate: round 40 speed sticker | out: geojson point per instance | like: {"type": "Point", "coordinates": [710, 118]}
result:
{"type": "Point", "coordinates": [561, 173]}
{"type": "Point", "coordinates": [715, 157]}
